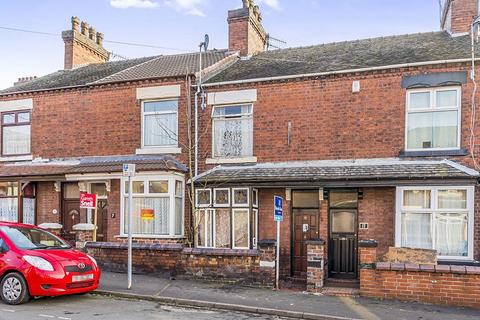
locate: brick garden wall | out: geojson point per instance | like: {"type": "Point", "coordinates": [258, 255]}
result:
{"type": "Point", "coordinates": [240, 266]}
{"type": "Point", "coordinates": [441, 284]}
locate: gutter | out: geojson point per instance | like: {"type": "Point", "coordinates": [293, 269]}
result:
{"type": "Point", "coordinates": [339, 72]}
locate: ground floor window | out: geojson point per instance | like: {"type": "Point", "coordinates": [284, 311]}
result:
{"type": "Point", "coordinates": [227, 224]}
{"type": "Point", "coordinates": [15, 198]}
{"type": "Point", "coordinates": [158, 205]}
{"type": "Point", "coordinates": [439, 218]}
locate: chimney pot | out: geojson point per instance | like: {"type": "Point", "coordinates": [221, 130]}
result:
{"type": "Point", "coordinates": [84, 28]}
{"type": "Point", "coordinates": [75, 23]}
{"type": "Point", "coordinates": [92, 34]}
{"type": "Point", "coordinates": [100, 38]}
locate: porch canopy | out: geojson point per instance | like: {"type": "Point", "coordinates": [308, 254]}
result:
{"type": "Point", "coordinates": [341, 173]}
{"type": "Point", "coordinates": [58, 169]}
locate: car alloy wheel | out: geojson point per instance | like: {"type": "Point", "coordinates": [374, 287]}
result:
{"type": "Point", "coordinates": [14, 289]}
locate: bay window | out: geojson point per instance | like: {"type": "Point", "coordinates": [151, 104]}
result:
{"type": "Point", "coordinates": [438, 218]}
{"type": "Point", "coordinates": [433, 119]}
{"type": "Point", "coordinates": [229, 221]}
{"type": "Point", "coordinates": [232, 131]}
{"type": "Point", "coordinates": [159, 123]}
{"type": "Point", "coordinates": [158, 206]}
{"type": "Point", "coordinates": [16, 133]}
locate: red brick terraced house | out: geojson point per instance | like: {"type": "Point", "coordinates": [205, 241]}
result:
{"type": "Point", "coordinates": [371, 143]}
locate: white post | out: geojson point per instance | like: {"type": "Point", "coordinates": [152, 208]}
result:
{"type": "Point", "coordinates": [277, 264]}
{"type": "Point", "coordinates": [130, 220]}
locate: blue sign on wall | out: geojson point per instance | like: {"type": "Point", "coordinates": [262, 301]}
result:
{"type": "Point", "coordinates": [278, 208]}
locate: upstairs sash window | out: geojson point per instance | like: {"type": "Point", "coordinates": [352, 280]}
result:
{"type": "Point", "coordinates": [16, 133]}
{"type": "Point", "coordinates": [160, 123]}
{"type": "Point", "coordinates": [233, 131]}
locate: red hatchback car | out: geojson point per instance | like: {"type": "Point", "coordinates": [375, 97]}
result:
{"type": "Point", "coordinates": [35, 262]}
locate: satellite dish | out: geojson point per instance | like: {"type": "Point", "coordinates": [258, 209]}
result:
{"type": "Point", "coordinates": [207, 41]}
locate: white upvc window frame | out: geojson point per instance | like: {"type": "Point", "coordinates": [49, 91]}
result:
{"type": "Point", "coordinates": [145, 178]}
{"type": "Point", "coordinates": [435, 210]}
{"type": "Point", "coordinates": [222, 205]}
{"type": "Point", "coordinates": [198, 205]}
{"type": "Point", "coordinates": [212, 213]}
{"type": "Point", "coordinates": [171, 147]}
{"type": "Point", "coordinates": [240, 205]}
{"type": "Point", "coordinates": [434, 108]}
{"type": "Point", "coordinates": [255, 228]}
{"type": "Point", "coordinates": [234, 210]}
{"type": "Point", "coordinates": [240, 116]}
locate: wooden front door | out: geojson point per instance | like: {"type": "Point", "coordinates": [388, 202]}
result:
{"type": "Point", "coordinates": [305, 227]}
{"type": "Point", "coordinates": [102, 219]}
{"type": "Point", "coordinates": [70, 217]}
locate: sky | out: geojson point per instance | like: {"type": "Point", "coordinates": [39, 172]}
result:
{"type": "Point", "coordinates": [180, 25]}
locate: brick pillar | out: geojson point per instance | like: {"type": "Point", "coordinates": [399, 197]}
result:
{"type": "Point", "coordinates": [367, 252]}
{"type": "Point", "coordinates": [54, 228]}
{"type": "Point", "coordinates": [267, 249]}
{"type": "Point", "coordinates": [83, 234]}
{"type": "Point", "coordinates": [315, 265]}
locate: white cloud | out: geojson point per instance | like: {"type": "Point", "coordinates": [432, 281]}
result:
{"type": "Point", "coordinates": [124, 4]}
{"type": "Point", "coordinates": [275, 4]}
{"type": "Point", "coordinates": [191, 7]}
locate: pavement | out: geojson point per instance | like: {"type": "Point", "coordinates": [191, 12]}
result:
{"type": "Point", "coordinates": [292, 304]}
{"type": "Point", "coordinates": [88, 307]}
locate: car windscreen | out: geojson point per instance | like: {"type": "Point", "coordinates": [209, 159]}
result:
{"type": "Point", "coordinates": [32, 238]}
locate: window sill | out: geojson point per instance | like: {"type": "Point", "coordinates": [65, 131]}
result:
{"type": "Point", "coordinates": [159, 150]}
{"type": "Point", "coordinates": [16, 158]}
{"type": "Point", "coordinates": [221, 252]}
{"type": "Point", "coordinates": [468, 262]}
{"type": "Point", "coordinates": [231, 160]}
{"type": "Point", "coordinates": [147, 236]}
{"type": "Point", "coordinates": [434, 153]}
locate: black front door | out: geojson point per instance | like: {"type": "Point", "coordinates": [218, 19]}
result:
{"type": "Point", "coordinates": [342, 250]}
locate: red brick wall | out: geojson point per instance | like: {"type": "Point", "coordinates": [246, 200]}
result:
{"type": "Point", "coordinates": [377, 208]}
{"type": "Point", "coordinates": [331, 122]}
{"type": "Point", "coordinates": [268, 227]}
{"type": "Point", "coordinates": [96, 121]}
{"type": "Point", "coordinates": [455, 285]}
{"type": "Point", "coordinates": [238, 35]}
{"type": "Point", "coordinates": [47, 200]}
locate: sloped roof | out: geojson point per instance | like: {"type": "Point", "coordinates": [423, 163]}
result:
{"type": "Point", "coordinates": [349, 55]}
{"type": "Point", "coordinates": [325, 171]}
{"type": "Point", "coordinates": [103, 164]}
{"type": "Point", "coordinates": [118, 71]}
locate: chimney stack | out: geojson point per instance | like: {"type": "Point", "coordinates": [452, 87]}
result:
{"type": "Point", "coordinates": [245, 31]}
{"type": "Point", "coordinates": [458, 15]}
{"type": "Point", "coordinates": [83, 45]}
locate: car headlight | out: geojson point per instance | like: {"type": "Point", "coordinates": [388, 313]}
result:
{"type": "Point", "coordinates": [93, 260]}
{"type": "Point", "coordinates": [39, 263]}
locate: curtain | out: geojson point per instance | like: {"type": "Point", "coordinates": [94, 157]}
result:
{"type": "Point", "coordinates": [9, 209]}
{"type": "Point", "coordinates": [160, 130]}
{"type": "Point", "coordinates": [178, 215]}
{"type": "Point", "coordinates": [451, 234]}
{"type": "Point", "coordinates": [241, 228]}
{"type": "Point", "coordinates": [419, 130]}
{"type": "Point", "coordinates": [16, 140]}
{"type": "Point", "coordinates": [222, 228]}
{"type": "Point", "coordinates": [452, 199]}
{"type": "Point", "coordinates": [416, 230]}
{"type": "Point", "coordinates": [159, 225]}
{"type": "Point", "coordinates": [29, 210]}
{"type": "Point", "coordinates": [233, 137]}
{"type": "Point", "coordinates": [417, 199]}
{"type": "Point", "coordinates": [445, 126]}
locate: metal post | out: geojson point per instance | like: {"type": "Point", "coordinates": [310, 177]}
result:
{"type": "Point", "coordinates": [130, 220]}
{"type": "Point", "coordinates": [277, 264]}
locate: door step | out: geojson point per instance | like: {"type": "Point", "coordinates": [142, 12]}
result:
{"type": "Point", "coordinates": [340, 292]}
{"type": "Point", "coordinates": [293, 283]}
{"type": "Point", "coordinates": [342, 283]}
